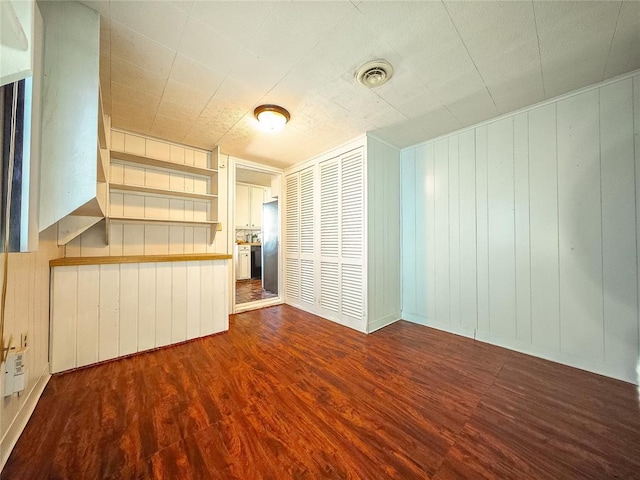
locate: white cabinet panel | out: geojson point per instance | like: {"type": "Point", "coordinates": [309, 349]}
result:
{"type": "Point", "coordinates": [257, 200]}
{"type": "Point", "coordinates": [243, 206]}
{"type": "Point", "coordinates": [100, 312]}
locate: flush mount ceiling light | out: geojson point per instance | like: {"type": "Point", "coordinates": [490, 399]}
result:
{"type": "Point", "coordinates": [271, 117]}
{"type": "Point", "coordinates": [373, 74]}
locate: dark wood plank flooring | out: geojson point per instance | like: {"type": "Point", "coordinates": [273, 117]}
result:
{"type": "Point", "coordinates": [285, 394]}
{"type": "Point", "coordinates": [251, 290]}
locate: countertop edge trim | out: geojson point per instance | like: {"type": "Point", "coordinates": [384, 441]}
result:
{"type": "Point", "coordinates": [69, 261]}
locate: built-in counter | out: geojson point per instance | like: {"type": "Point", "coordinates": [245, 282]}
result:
{"type": "Point", "coordinates": [108, 307]}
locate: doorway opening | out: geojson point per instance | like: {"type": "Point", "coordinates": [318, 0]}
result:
{"type": "Point", "coordinates": [257, 237]}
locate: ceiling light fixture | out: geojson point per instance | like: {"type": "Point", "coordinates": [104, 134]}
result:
{"type": "Point", "coordinates": [373, 74]}
{"type": "Point", "coordinates": [271, 117]}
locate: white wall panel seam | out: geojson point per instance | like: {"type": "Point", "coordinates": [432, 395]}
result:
{"type": "Point", "coordinates": [602, 265]}
{"type": "Point", "coordinates": [529, 208]}
{"type": "Point", "coordinates": [486, 156]}
{"type": "Point", "coordinates": [515, 228]}
{"type": "Point", "coordinates": [635, 95]}
{"type": "Point", "coordinates": [475, 201]}
{"type": "Point", "coordinates": [555, 105]}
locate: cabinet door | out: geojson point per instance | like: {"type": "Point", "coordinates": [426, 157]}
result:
{"type": "Point", "coordinates": [257, 199]}
{"type": "Point", "coordinates": [242, 206]}
{"type": "Point", "coordinates": [245, 266]}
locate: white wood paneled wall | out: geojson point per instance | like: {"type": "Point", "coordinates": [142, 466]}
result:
{"type": "Point", "coordinates": [523, 231]}
{"type": "Point", "coordinates": [100, 312]}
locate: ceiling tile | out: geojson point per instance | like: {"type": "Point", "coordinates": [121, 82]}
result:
{"type": "Point", "coordinates": [235, 20]}
{"type": "Point", "coordinates": [159, 20]}
{"type": "Point", "coordinates": [241, 93]}
{"type": "Point", "coordinates": [575, 38]}
{"type": "Point", "coordinates": [412, 28]}
{"type": "Point", "coordinates": [313, 19]}
{"type": "Point", "coordinates": [191, 99]}
{"type": "Point", "coordinates": [184, 5]}
{"type": "Point", "coordinates": [474, 108]}
{"type": "Point", "coordinates": [129, 74]}
{"type": "Point", "coordinates": [438, 122]}
{"type": "Point", "coordinates": [195, 74]}
{"type": "Point", "coordinates": [209, 47]}
{"type": "Point", "coordinates": [140, 50]}
{"type": "Point", "coordinates": [177, 112]}
{"type": "Point", "coordinates": [127, 99]}
{"type": "Point", "coordinates": [169, 128]}
{"type": "Point", "coordinates": [624, 55]}
{"type": "Point", "coordinates": [455, 63]}
{"type": "Point", "coordinates": [402, 134]}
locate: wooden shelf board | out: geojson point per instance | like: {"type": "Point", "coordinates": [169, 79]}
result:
{"type": "Point", "coordinates": [160, 220]}
{"type": "Point", "coordinates": [161, 191]}
{"type": "Point", "coordinates": [152, 162]}
{"type": "Point", "coordinates": [188, 257]}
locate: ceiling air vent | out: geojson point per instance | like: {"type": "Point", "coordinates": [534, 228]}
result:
{"type": "Point", "coordinates": [373, 74]}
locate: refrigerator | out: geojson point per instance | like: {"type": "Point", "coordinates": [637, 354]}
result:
{"type": "Point", "coordinates": [270, 240]}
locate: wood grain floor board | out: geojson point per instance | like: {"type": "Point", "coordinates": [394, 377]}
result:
{"type": "Point", "coordinates": [286, 394]}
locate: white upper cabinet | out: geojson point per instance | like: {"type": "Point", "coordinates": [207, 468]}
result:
{"type": "Point", "coordinates": [69, 175]}
{"type": "Point", "coordinates": [249, 201]}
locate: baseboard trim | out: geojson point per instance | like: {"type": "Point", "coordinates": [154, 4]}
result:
{"type": "Point", "coordinates": [383, 322]}
{"type": "Point", "coordinates": [269, 302]}
{"type": "Point", "coordinates": [619, 372]}
{"type": "Point", "coordinates": [16, 428]}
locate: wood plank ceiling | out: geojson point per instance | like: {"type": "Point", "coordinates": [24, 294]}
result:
{"type": "Point", "coordinates": [193, 71]}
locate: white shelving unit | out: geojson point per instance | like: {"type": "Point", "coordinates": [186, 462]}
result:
{"type": "Point", "coordinates": [152, 181]}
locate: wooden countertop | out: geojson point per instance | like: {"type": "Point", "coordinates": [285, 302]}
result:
{"type": "Point", "coordinates": [249, 243]}
{"type": "Point", "coordinates": [189, 257]}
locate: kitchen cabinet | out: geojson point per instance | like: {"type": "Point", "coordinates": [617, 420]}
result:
{"type": "Point", "coordinates": [342, 235]}
{"type": "Point", "coordinates": [243, 262]}
{"type": "Point", "coordinates": [249, 200]}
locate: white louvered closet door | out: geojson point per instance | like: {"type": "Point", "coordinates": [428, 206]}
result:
{"type": "Point", "coordinates": [342, 237]}
{"type": "Point", "coordinates": [307, 235]}
{"type": "Point", "coordinates": [330, 236]}
{"type": "Point", "coordinates": [352, 234]}
{"type": "Point", "coordinates": [292, 238]}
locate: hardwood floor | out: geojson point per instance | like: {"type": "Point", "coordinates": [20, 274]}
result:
{"type": "Point", "coordinates": [250, 291]}
{"type": "Point", "coordinates": [285, 394]}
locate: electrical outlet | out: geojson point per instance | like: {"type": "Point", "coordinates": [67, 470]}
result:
{"type": "Point", "coordinates": [219, 227]}
{"type": "Point", "coordinates": [24, 340]}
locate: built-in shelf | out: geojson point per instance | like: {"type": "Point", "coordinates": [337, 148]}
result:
{"type": "Point", "coordinates": [161, 191]}
{"type": "Point", "coordinates": [152, 162]}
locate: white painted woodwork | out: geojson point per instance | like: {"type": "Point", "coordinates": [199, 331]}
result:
{"type": "Point", "coordinates": [99, 312]}
{"type": "Point", "coordinates": [243, 262]}
{"type": "Point", "coordinates": [157, 181]}
{"type": "Point", "coordinates": [243, 206]}
{"type": "Point", "coordinates": [535, 240]}
{"type": "Point", "coordinates": [69, 109]}
{"type": "Point", "coordinates": [249, 201]}
{"type": "Point", "coordinates": [27, 310]}
{"type": "Point", "coordinates": [342, 235]}
{"type": "Point", "coordinates": [17, 40]}
{"type": "Point", "coordinates": [257, 200]}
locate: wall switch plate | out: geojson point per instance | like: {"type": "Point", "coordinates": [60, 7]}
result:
{"type": "Point", "coordinates": [219, 227]}
{"type": "Point", "coordinates": [24, 340]}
